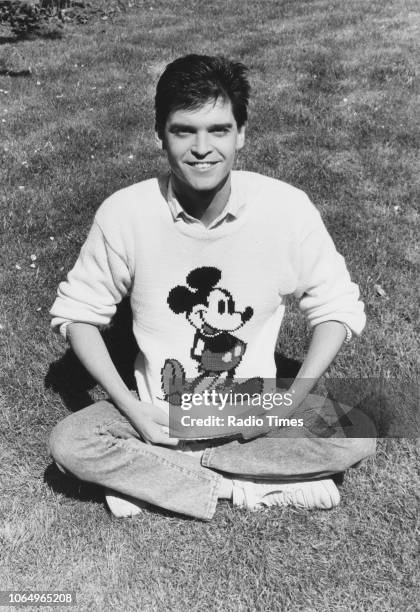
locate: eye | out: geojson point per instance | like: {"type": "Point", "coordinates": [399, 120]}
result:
{"type": "Point", "coordinates": [181, 131]}
{"type": "Point", "coordinates": [220, 131]}
{"type": "Point", "coordinates": [221, 306]}
{"type": "Point", "coordinates": [231, 306]}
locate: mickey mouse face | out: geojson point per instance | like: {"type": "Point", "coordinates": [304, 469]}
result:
{"type": "Point", "coordinates": [208, 308]}
{"type": "Point", "coordinates": [218, 313]}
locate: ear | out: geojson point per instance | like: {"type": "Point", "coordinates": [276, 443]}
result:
{"type": "Point", "coordinates": [204, 278]}
{"type": "Point", "coordinates": [159, 140]}
{"type": "Point", "coordinates": [241, 138]}
{"type": "Point", "coordinates": [180, 299]}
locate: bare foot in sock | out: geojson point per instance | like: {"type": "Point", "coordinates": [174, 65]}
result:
{"type": "Point", "coordinates": [123, 506]}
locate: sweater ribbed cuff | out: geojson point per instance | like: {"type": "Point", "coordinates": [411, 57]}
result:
{"type": "Point", "coordinates": [349, 334]}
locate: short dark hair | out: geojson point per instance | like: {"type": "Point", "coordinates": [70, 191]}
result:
{"type": "Point", "coordinates": [192, 80]}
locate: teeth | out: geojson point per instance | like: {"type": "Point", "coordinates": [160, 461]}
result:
{"type": "Point", "coordinates": [202, 165]}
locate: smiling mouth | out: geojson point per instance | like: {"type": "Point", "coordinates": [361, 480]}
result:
{"type": "Point", "coordinates": [202, 165]}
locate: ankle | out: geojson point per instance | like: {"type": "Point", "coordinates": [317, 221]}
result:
{"type": "Point", "coordinates": [225, 489]}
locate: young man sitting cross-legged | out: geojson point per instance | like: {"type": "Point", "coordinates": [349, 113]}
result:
{"type": "Point", "coordinates": [207, 256]}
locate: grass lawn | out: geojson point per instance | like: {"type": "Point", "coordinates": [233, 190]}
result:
{"type": "Point", "coordinates": [334, 113]}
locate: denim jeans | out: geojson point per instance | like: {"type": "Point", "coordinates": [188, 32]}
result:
{"type": "Point", "coordinates": [99, 445]}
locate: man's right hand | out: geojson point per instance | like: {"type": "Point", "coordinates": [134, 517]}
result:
{"type": "Point", "coordinates": [150, 421]}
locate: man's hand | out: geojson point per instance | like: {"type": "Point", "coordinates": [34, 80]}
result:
{"type": "Point", "coordinates": [150, 421]}
{"type": "Point", "coordinates": [326, 341]}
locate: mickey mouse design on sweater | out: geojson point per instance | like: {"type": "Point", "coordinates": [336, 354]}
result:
{"type": "Point", "coordinates": [211, 310]}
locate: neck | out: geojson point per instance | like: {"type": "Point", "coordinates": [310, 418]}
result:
{"type": "Point", "coordinates": [202, 205]}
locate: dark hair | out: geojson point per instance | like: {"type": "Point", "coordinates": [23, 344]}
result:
{"type": "Point", "coordinates": [192, 80]}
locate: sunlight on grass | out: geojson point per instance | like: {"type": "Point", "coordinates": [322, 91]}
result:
{"type": "Point", "coordinates": [333, 112]}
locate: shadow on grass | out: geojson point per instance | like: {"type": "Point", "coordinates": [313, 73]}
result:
{"type": "Point", "coordinates": [72, 487]}
{"type": "Point", "coordinates": [6, 40]}
{"type": "Point", "coordinates": [71, 381]}
{"type": "Point", "coordinates": [287, 370]}
{"type": "Point", "coordinates": [385, 417]}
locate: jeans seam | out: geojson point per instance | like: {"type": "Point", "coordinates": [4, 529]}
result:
{"type": "Point", "coordinates": [205, 460]}
{"type": "Point", "coordinates": [180, 468]}
{"type": "Point", "coordinates": [139, 450]}
{"type": "Point", "coordinates": [104, 427]}
{"type": "Point", "coordinates": [211, 506]}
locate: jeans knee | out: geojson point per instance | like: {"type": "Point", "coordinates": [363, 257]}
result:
{"type": "Point", "coordinates": [361, 442]}
{"type": "Point", "coordinates": [60, 444]}
{"type": "Point", "coordinates": [354, 450]}
{"type": "Point", "coordinates": [367, 447]}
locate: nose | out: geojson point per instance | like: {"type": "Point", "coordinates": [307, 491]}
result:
{"type": "Point", "coordinates": [247, 314]}
{"type": "Point", "coordinates": [201, 146]}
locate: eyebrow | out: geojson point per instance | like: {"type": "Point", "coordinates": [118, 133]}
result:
{"type": "Point", "coordinates": [189, 128]}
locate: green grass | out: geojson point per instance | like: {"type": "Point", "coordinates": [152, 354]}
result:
{"type": "Point", "coordinates": [334, 104]}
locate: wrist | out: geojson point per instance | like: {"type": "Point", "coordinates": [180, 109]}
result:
{"type": "Point", "coordinates": [127, 402]}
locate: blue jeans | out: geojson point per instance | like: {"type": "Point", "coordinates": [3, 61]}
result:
{"type": "Point", "coordinates": [99, 445]}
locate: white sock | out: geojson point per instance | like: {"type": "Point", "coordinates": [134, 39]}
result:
{"type": "Point", "coordinates": [226, 488]}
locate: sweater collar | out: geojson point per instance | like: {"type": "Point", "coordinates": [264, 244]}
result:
{"type": "Point", "coordinates": [230, 212]}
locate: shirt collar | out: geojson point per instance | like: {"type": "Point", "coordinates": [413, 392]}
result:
{"type": "Point", "coordinates": [230, 212]}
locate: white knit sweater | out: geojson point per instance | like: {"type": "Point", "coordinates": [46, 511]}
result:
{"type": "Point", "coordinates": [226, 317]}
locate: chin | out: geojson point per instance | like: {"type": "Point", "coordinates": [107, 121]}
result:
{"type": "Point", "coordinates": [201, 184]}
{"type": "Point", "coordinates": [208, 185]}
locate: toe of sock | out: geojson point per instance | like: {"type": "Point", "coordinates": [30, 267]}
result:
{"type": "Point", "coordinates": [331, 495]}
{"type": "Point", "coordinates": [121, 506]}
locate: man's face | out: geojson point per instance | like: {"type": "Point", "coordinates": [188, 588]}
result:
{"type": "Point", "coordinates": [201, 145]}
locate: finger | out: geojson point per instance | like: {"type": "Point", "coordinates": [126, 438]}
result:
{"type": "Point", "coordinates": [167, 434]}
{"type": "Point", "coordinates": [171, 442]}
{"type": "Point", "coordinates": [160, 419]}
{"type": "Point", "coordinates": [164, 437]}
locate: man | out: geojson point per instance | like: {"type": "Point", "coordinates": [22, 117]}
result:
{"type": "Point", "coordinates": [207, 255]}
